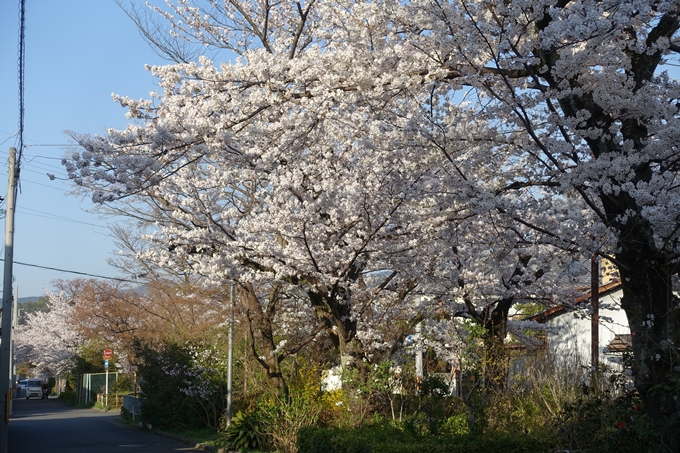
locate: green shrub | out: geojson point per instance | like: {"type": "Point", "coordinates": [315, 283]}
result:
{"type": "Point", "coordinates": [431, 409]}
{"type": "Point", "coordinates": [184, 385]}
{"type": "Point", "coordinates": [69, 397]}
{"type": "Point", "coordinates": [246, 432]}
{"type": "Point", "coordinates": [384, 439]}
{"type": "Point", "coordinates": [454, 425]}
{"type": "Point", "coordinates": [603, 423]}
{"type": "Point", "coordinates": [283, 420]}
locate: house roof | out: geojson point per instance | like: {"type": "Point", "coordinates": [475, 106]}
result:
{"type": "Point", "coordinates": [621, 343]}
{"type": "Point", "coordinates": [554, 311]}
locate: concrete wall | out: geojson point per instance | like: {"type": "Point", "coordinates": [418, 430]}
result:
{"type": "Point", "coordinates": [572, 331]}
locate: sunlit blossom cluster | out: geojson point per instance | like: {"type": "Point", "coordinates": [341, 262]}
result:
{"type": "Point", "coordinates": [371, 156]}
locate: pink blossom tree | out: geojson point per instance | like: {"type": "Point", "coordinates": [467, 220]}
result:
{"type": "Point", "coordinates": [351, 139]}
{"type": "Point", "coordinates": [49, 340]}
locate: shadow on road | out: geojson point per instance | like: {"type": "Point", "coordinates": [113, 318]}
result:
{"type": "Point", "coordinates": [38, 426]}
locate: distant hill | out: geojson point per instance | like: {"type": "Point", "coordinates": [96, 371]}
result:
{"type": "Point", "coordinates": [28, 305]}
{"type": "Point", "coordinates": [23, 300]}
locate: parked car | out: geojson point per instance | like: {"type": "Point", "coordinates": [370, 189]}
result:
{"type": "Point", "coordinates": [31, 387]}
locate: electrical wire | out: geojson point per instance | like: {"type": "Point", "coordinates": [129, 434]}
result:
{"type": "Point", "coordinates": [47, 215]}
{"type": "Point", "coordinates": [72, 272]}
{"type": "Point", "coordinates": [7, 139]}
{"type": "Point", "coordinates": [22, 60]}
{"type": "Point", "coordinates": [40, 184]}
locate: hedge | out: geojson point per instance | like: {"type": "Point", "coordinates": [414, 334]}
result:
{"type": "Point", "coordinates": [381, 439]}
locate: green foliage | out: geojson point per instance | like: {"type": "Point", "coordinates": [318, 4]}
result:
{"type": "Point", "coordinates": [432, 411]}
{"type": "Point", "coordinates": [386, 439]}
{"type": "Point", "coordinates": [597, 421]}
{"type": "Point", "coordinates": [51, 382]}
{"type": "Point", "coordinates": [668, 391]}
{"type": "Point", "coordinates": [335, 409]}
{"type": "Point", "coordinates": [246, 432]}
{"type": "Point", "coordinates": [184, 386]}
{"type": "Point", "coordinates": [284, 419]}
{"type": "Point", "coordinates": [274, 423]}
{"type": "Point", "coordinates": [454, 425]}
{"type": "Point", "coordinates": [69, 397]}
{"type": "Point", "coordinates": [527, 310]}
{"type": "Point", "coordinates": [26, 308]}
{"type": "Point", "coordinates": [90, 359]}
{"type": "Point", "coordinates": [123, 384]}
{"type": "Point", "coordinates": [614, 420]}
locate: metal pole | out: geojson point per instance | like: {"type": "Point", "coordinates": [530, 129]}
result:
{"type": "Point", "coordinates": [5, 335]}
{"type": "Point", "coordinates": [595, 318]}
{"type": "Point", "coordinates": [106, 389]}
{"type": "Point", "coordinates": [419, 353]}
{"type": "Point", "coordinates": [231, 353]}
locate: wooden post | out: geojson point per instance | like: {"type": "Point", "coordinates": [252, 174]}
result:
{"type": "Point", "coordinates": [595, 318]}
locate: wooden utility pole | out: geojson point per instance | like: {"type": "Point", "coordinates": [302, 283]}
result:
{"type": "Point", "coordinates": [230, 360]}
{"type": "Point", "coordinates": [595, 318]}
{"type": "Point", "coordinates": [5, 335]}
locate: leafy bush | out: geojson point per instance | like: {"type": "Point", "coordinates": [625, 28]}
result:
{"type": "Point", "coordinates": [432, 411]}
{"type": "Point", "coordinates": [274, 422]}
{"type": "Point", "coordinates": [184, 385]}
{"type": "Point", "coordinates": [246, 432]}
{"type": "Point", "coordinates": [603, 423]}
{"type": "Point", "coordinates": [283, 420]}
{"type": "Point", "coordinates": [385, 439]}
{"type": "Point", "coordinates": [69, 397]}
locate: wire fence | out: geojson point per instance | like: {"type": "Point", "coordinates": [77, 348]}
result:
{"type": "Point", "coordinates": [90, 385]}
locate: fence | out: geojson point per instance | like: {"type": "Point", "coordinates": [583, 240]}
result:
{"type": "Point", "coordinates": [90, 384]}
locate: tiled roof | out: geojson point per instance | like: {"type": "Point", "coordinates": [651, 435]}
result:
{"type": "Point", "coordinates": [621, 343]}
{"type": "Point", "coordinates": [544, 315]}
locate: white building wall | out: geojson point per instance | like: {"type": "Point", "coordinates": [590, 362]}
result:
{"type": "Point", "coordinates": [570, 335]}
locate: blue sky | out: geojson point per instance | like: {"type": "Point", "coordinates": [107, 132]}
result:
{"type": "Point", "coordinates": [78, 52]}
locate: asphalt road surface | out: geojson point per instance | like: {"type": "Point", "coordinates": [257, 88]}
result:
{"type": "Point", "coordinates": [50, 426]}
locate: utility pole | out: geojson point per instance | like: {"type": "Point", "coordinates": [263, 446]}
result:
{"type": "Point", "coordinates": [5, 336]}
{"type": "Point", "coordinates": [595, 318]}
{"type": "Point", "coordinates": [230, 359]}
{"type": "Point", "coordinates": [419, 354]}
{"type": "Point", "coordinates": [12, 361]}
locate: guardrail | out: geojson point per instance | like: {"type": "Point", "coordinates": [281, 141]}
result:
{"type": "Point", "coordinates": [133, 405]}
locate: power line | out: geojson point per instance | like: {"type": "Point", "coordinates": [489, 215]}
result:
{"type": "Point", "coordinates": [47, 215]}
{"type": "Point", "coordinates": [22, 59]}
{"type": "Point", "coordinates": [72, 272]}
{"type": "Point", "coordinates": [40, 184]}
{"type": "Point", "coordinates": [44, 172]}
{"type": "Point", "coordinates": [7, 139]}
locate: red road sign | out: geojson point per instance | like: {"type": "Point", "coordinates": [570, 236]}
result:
{"type": "Point", "coordinates": [107, 353]}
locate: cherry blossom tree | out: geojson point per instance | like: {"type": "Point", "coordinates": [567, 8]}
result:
{"type": "Point", "coordinates": [49, 340]}
{"type": "Point", "coordinates": [315, 206]}
{"type": "Point", "coordinates": [349, 140]}
{"type": "Point", "coordinates": [586, 146]}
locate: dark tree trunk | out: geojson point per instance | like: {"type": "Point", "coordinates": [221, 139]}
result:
{"type": "Point", "coordinates": [654, 320]}
{"type": "Point", "coordinates": [496, 361]}
{"type": "Point", "coordinates": [261, 331]}
{"type": "Point", "coordinates": [341, 329]}
{"type": "Point", "coordinates": [645, 262]}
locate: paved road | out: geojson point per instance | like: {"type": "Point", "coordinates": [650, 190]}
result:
{"type": "Point", "coordinates": [39, 426]}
